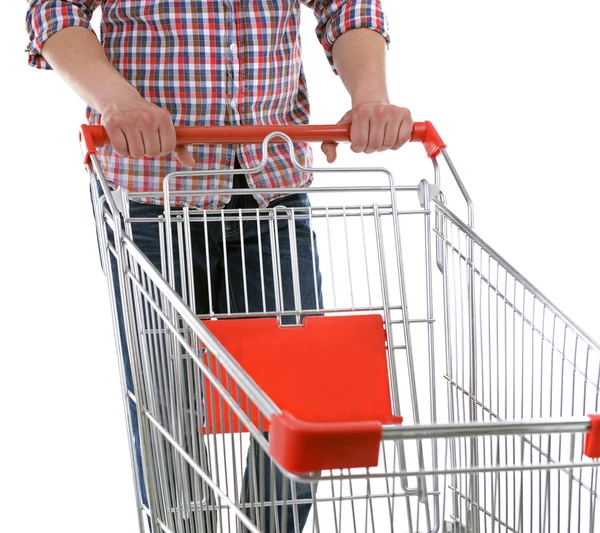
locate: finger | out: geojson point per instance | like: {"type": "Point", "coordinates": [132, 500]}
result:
{"type": "Point", "coordinates": [359, 134]}
{"type": "Point", "coordinates": [330, 151]}
{"type": "Point", "coordinates": [184, 156]}
{"type": "Point", "coordinates": [118, 142]}
{"type": "Point", "coordinates": [347, 118]}
{"type": "Point", "coordinates": [404, 133]}
{"type": "Point", "coordinates": [377, 126]}
{"type": "Point", "coordinates": [392, 130]}
{"type": "Point", "coordinates": [135, 142]}
{"type": "Point", "coordinates": [168, 139]}
{"type": "Point", "coordinates": [151, 140]}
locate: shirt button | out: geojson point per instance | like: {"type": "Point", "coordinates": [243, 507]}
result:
{"type": "Point", "coordinates": [233, 47]}
{"type": "Point", "coordinates": [233, 102]}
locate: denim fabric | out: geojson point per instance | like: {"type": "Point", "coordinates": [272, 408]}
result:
{"type": "Point", "coordinates": [253, 239]}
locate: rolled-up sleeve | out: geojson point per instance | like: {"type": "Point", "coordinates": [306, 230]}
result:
{"type": "Point", "coordinates": [46, 17]}
{"type": "Point", "coordinates": [335, 17]}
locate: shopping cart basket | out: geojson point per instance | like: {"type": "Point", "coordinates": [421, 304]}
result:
{"type": "Point", "coordinates": [308, 391]}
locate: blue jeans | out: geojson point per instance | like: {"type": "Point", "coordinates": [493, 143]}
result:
{"type": "Point", "coordinates": [256, 240]}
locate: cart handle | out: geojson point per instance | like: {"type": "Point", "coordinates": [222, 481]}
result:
{"type": "Point", "coordinates": [93, 137]}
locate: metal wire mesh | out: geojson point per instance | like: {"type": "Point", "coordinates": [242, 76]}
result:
{"type": "Point", "coordinates": [505, 353]}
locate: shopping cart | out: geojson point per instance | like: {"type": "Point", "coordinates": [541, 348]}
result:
{"type": "Point", "coordinates": [308, 391]}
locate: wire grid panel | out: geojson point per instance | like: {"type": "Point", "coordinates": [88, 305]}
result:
{"type": "Point", "coordinates": [510, 355]}
{"type": "Point", "coordinates": [201, 479]}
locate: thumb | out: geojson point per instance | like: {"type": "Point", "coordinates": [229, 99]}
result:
{"type": "Point", "coordinates": [183, 156]}
{"type": "Point", "coordinates": [330, 151]}
{"type": "Point", "coordinates": [329, 148]}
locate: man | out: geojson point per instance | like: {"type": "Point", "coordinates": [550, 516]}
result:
{"type": "Point", "coordinates": [215, 62]}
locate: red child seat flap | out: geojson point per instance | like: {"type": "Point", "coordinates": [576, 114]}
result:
{"type": "Point", "coordinates": [332, 370]}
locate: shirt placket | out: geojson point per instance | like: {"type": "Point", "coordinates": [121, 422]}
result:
{"type": "Point", "coordinates": [234, 93]}
{"type": "Point", "coordinates": [232, 98]}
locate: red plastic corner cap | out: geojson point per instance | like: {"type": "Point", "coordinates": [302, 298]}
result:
{"type": "Point", "coordinates": [425, 133]}
{"type": "Point", "coordinates": [592, 439]}
{"type": "Point", "coordinates": [312, 446]}
{"type": "Point", "coordinates": [91, 137]}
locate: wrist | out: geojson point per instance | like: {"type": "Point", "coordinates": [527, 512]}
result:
{"type": "Point", "coordinates": [369, 98]}
{"type": "Point", "coordinates": [120, 93]}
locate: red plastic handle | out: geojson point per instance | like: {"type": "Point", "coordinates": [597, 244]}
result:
{"type": "Point", "coordinates": [92, 137]}
{"type": "Point", "coordinates": [425, 133]}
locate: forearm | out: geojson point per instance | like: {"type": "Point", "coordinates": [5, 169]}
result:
{"type": "Point", "coordinates": [134, 126]}
{"type": "Point", "coordinates": [78, 58]}
{"type": "Point", "coordinates": [359, 56]}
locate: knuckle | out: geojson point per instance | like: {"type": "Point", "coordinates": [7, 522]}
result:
{"type": "Point", "coordinates": [146, 118]}
{"type": "Point", "coordinates": [361, 111]}
{"type": "Point", "coordinates": [164, 116]}
{"type": "Point", "coordinates": [107, 120]}
{"type": "Point", "coordinates": [400, 112]}
{"type": "Point", "coordinates": [382, 111]}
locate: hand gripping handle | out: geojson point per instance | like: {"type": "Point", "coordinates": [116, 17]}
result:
{"type": "Point", "coordinates": [93, 137]}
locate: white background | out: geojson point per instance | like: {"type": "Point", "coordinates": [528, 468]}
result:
{"type": "Point", "coordinates": [511, 87]}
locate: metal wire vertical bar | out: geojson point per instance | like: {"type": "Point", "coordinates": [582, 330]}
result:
{"type": "Point", "coordinates": [459, 351]}
{"type": "Point", "coordinates": [348, 261]}
{"type": "Point", "coordinates": [234, 424]}
{"type": "Point", "coordinates": [333, 502]}
{"type": "Point", "coordinates": [315, 508]}
{"type": "Point", "coordinates": [478, 325]}
{"type": "Point", "coordinates": [211, 309]}
{"type": "Point", "coordinates": [154, 369]}
{"type": "Point", "coordinates": [443, 260]}
{"type": "Point", "coordinates": [387, 481]}
{"type": "Point", "coordinates": [369, 508]}
{"type": "Point", "coordinates": [187, 258]}
{"type": "Point", "coordinates": [281, 524]}
{"type": "Point", "coordinates": [211, 444]}
{"type": "Point", "coordinates": [275, 263]}
{"type": "Point", "coordinates": [201, 494]}
{"type": "Point", "coordinates": [561, 404]}
{"type": "Point", "coordinates": [571, 479]}
{"type": "Point", "coordinates": [365, 256]}
{"type": "Point", "coordinates": [225, 262]}
{"type": "Point", "coordinates": [313, 257]}
{"type": "Point", "coordinates": [295, 515]}
{"type": "Point", "coordinates": [105, 254]}
{"type": "Point", "coordinates": [260, 261]}
{"type": "Point", "coordinates": [243, 254]}
{"type": "Point", "coordinates": [294, 264]}
{"type": "Point", "coordinates": [516, 508]}
{"type": "Point", "coordinates": [341, 501]}
{"type": "Point", "coordinates": [473, 382]}
{"type": "Point", "coordinates": [430, 349]}
{"type": "Point", "coordinates": [352, 501]}
{"type": "Point", "coordinates": [133, 302]}
{"type": "Point", "coordinates": [226, 381]}
{"type": "Point", "coordinates": [421, 482]}
{"type": "Point", "coordinates": [328, 225]}
{"type": "Point", "coordinates": [532, 386]}
{"type": "Point", "coordinates": [497, 314]}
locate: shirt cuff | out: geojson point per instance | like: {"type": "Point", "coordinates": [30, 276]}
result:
{"type": "Point", "coordinates": [45, 19]}
{"type": "Point", "coordinates": [347, 15]}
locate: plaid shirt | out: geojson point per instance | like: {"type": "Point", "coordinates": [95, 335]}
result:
{"type": "Point", "coordinates": [209, 62]}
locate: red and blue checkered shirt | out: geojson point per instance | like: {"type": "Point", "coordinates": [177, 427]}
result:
{"type": "Point", "coordinates": [209, 62]}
